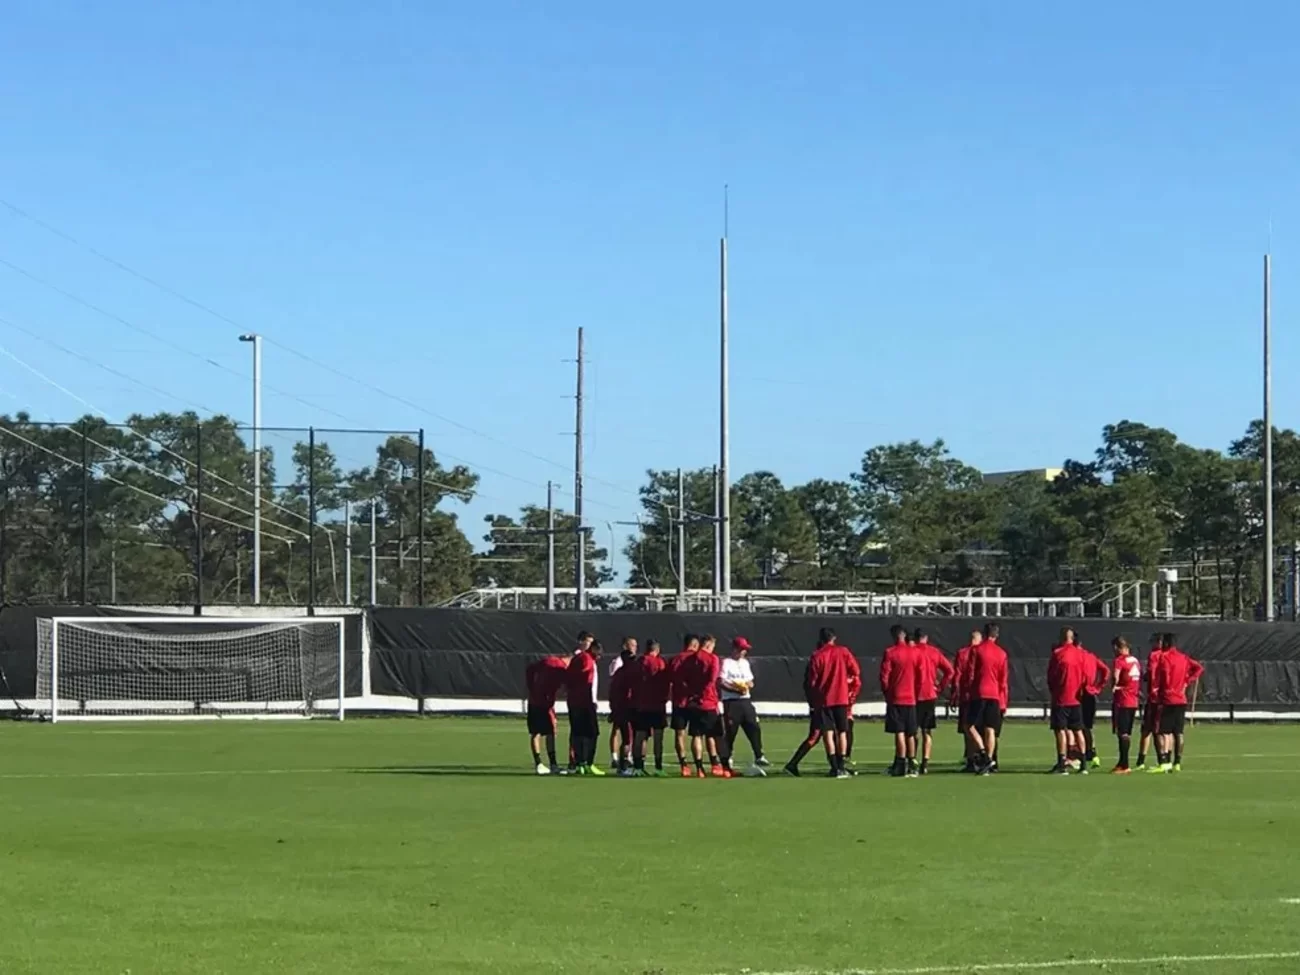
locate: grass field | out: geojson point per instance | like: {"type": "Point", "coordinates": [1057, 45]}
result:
{"type": "Point", "coordinates": [427, 847]}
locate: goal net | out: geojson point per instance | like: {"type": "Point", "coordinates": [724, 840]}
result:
{"type": "Point", "coordinates": [190, 666]}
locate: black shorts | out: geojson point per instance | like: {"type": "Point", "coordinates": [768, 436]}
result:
{"type": "Point", "coordinates": [704, 724]}
{"type": "Point", "coordinates": [1067, 717]}
{"type": "Point", "coordinates": [900, 719]}
{"type": "Point", "coordinates": [925, 716]}
{"type": "Point", "coordinates": [541, 721]}
{"type": "Point", "coordinates": [681, 718]}
{"type": "Point", "coordinates": [1150, 718]}
{"type": "Point", "coordinates": [985, 714]}
{"type": "Point", "coordinates": [622, 718]}
{"type": "Point", "coordinates": [835, 718]}
{"type": "Point", "coordinates": [1088, 706]}
{"type": "Point", "coordinates": [1172, 718]}
{"type": "Point", "coordinates": [963, 717]}
{"type": "Point", "coordinates": [584, 722]}
{"type": "Point", "coordinates": [814, 728]}
{"type": "Point", "coordinates": [1121, 720]}
{"type": "Point", "coordinates": [648, 721]}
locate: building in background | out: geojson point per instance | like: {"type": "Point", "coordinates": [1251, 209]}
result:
{"type": "Point", "coordinates": [1047, 474]}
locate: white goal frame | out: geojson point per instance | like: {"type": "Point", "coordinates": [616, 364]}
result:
{"type": "Point", "coordinates": [232, 621]}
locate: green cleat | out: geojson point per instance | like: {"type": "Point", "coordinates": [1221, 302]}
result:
{"type": "Point", "coordinates": [595, 770]}
{"type": "Point", "coordinates": [1155, 770]}
{"type": "Point", "coordinates": [1178, 767]}
{"type": "Point", "coordinates": [1096, 762]}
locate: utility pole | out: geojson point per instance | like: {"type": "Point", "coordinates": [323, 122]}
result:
{"type": "Point", "coordinates": [1268, 439]}
{"type": "Point", "coordinates": [550, 546]}
{"type": "Point", "coordinates": [580, 556]}
{"type": "Point", "coordinates": [681, 542]}
{"type": "Point", "coordinates": [724, 487]}
{"type": "Point", "coordinates": [717, 544]}
{"type": "Point", "coordinates": [374, 556]}
{"type": "Point", "coordinates": [256, 339]}
{"type": "Point", "coordinates": [347, 553]}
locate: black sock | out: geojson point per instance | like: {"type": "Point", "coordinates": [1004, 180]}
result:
{"type": "Point", "coordinates": [1123, 752]}
{"type": "Point", "coordinates": [1060, 759]}
{"type": "Point", "coordinates": [699, 765]}
{"type": "Point", "coordinates": [659, 756]}
{"type": "Point", "coordinates": [848, 751]}
{"type": "Point", "coordinates": [1089, 751]}
{"type": "Point", "coordinates": [537, 757]}
{"type": "Point", "coordinates": [800, 754]}
{"type": "Point", "coordinates": [1142, 757]}
{"type": "Point", "coordinates": [550, 755]}
{"type": "Point", "coordinates": [1178, 753]}
{"type": "Point", "coordinates": [837, 763]}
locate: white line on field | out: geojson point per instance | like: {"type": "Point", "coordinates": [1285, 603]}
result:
{"type": "Point", "coordinates": [165, 774]}
{"type": "Point", "coordinates": [1032, 966]}
{"type": "Point", "coordinates": [1290, 900]}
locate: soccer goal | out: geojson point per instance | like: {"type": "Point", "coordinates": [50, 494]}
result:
{"type": "Point", "coordinates": [136, 667]}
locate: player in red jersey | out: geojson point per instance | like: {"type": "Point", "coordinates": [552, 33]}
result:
{"type": "Point", "coordinates": [680, 695]}
{"type": "Point", "coordinates": [1127, 686]}
{"type": "Point", "coordinates": [990, 692]}
{"type": "Point", "coordinates": [620, 708]}
{"type": "Point", "coordinates": [1067, 676]}
{"type": "Point", "coordinates": [831, 672]}
{"type": "Point", "coordinates": [1175, 673]}
{"type": "Point", "coordinates": [1098, 677]}
{"type": "Point", "coordinates": [961, 694]}
{"type": "Point", "coordinates": [1151, 712]}
{"type": "Point", "coordinates": [855, 689]}
{"type": "Point", "coordinates": [704, 711]}
{"type": "Point", "coordinates": [544, 679]}
{"type": "Point", "coordinates": [584, 723]}
{"type": "Point", "coordinates": [936, 673]}
{"type": "Point", "coordinates": [900, 676]}
{"type": "Point", "coordinates": [649, 679]}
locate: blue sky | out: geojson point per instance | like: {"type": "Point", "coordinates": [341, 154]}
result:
{"type": "Point", "coordinates": [1000, 224]}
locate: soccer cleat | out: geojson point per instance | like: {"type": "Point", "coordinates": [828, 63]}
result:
{"type": "Point", "coordinates": [792, 770]}
{"type": "Point", "coordinates": [1059, 769]}
{"type": "Point", "coordinates": [1177, 767]}
{"type": "Point", "coordinates": [543, 769]}
{"type": "Point", "coordinates": [717, 771]}
{"type": "Point", "coordinates": [762, 761]}
{"type": "Point", "coordinates": [595, 770]}
{"type": "Point", "coordinates": [755, 771]}
{"type": "Point", "coordinates": [1083, 770]}
{"type": "Point", "coordinates": [1096, 762]}
{"type": "Point", "coordinates": [1155, 770]}
{"type": "Point", "coordinates": [688, 772]}
{"type": "Point", "coordinates": [843, 774]}
{"type": "Point", "coordinates": [1121, 770]}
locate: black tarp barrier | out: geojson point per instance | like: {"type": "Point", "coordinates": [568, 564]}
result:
{"type": "Point", "coordinates": [483, 653]}
{"type": "Point", "coordinates": [18, 641]}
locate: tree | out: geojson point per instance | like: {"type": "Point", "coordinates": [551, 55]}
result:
{"type": "Point", "coordinates": [518, 553]}
{"type": "Point", "coordinates": [835, 515]}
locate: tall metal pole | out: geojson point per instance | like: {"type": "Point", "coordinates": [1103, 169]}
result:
{"type": "Point", "coordinates": [724, 459]}
{"type": "Point", "coordinates": [681, 541]}
{"type": "Point", "coordinates": [347, 553]}
{"type": "Point", "coordinates": [374, 556]}
{"type": "Point", "coordinates": [580, 556]}
{"type": "Point", "coordinates": [550, 546]}
{"type": "Point", "coordinates": [717, 543]}
{"type": "Point", "coordinates": [1268, 438]}
{"type": "Point", "coordinates": [85, 517]}
{"type": "Point", "coordinates": [256, 574]}
{"type": "Point", "coordinates": [311, 521]}
{"type": "Point", "coordinates": [419, 521]}
{"type": "Point", "coordinates": [198, 520]}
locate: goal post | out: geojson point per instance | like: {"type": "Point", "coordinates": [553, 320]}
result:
{"type": "Point", "coordinates": [176, 667]}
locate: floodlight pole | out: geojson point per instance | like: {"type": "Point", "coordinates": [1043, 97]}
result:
{"type": "Point", "coordinates": [724, 451]}
{"type": "Point", "coordinates": [256, 339]}
{"type": "Point", "coordinates": [1268, 439]}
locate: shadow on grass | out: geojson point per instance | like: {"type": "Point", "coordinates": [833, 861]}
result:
{"type": "Point", "coordinates": [517, 771]}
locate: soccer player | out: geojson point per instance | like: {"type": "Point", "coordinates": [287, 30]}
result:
{"type": "Point", "coordinates": [1098, 677]}
{"type": "Point", "coordinates": [649, 679]}
{"type": "Point", "coordinates": [855, 688]}
{"type": "Point", "coordinates": [831, 670]}
{"type": "Point", "coordinates": [1124, 704]}
{"type": "Point", "coordinates": [1067, 676]}
{"type": "Point", "coordinates": [680, 695]}
{"type": "Point", "coordinates": [703, 708]}
{"type": "Point", "coordinates": [962, 695]}
{"type": "Point", "coordinates": [620, 707]}
{"type": "Point", "coordinates": [584, 723]}
{"type": "Point", "coordinates": [936, 673]}
{"type": "Point", "coordinates": [900, 677]}
{"type": "Point", "coordinates": [1151, 712]}
{"type": "Point", "coordinates": [738, 712]}
{"type": "Point", "coordinates": [1176, 671]}
{"type": "Point", "coordinates": [544, 678]}
{"type": "Point", "coordinates": [990, 693]}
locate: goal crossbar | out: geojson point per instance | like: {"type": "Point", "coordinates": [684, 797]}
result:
{"type": "Point", "coordinates": [271, 708]}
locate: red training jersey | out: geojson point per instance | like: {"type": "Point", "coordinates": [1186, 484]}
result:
{"type": "Point", "coordinates": [678, 690]}
{"type": "Point", "coordinates": [1067, 674]}
{"type": "Point", "coordinates": [900, 673]}
{"type": "Point", "coordinates": [936, 672]}
{"type": "Point", "coordinates": [620, 688]}
{"type": "Point", "coordinates": [961, 685]}
{"type": "Point", "coordinates": [1175, 671]}
{"type": "Point", "coordinates": [650, 683]}
{"type": "Point", "coordinates": [832, 670]}
{"type": "Point", "coordinates": [1128, 681]}
{"type": "Point", "coordinates": [1153, 664]}
{"type": "Point", "coordinates": [702, 681]}
{"type": "Point", "coordinates": [580, 679]}
{"type": "Point", "coordinates": [988, 674]}
{"type": "Point", "coordinates": [544, 678]}
{"type": "Point", "coordinates": [1098, 673]}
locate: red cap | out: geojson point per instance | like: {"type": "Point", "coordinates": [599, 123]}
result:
{"type": "Point", "coordinates": [740, 643]}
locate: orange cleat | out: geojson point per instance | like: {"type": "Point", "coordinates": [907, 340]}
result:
{"type": "Point", "coordinates": [687, 772]}
{"type": "Point", "coordinates": [717, 771]}
{"type": "Point", "coordinates": [1121, 770]}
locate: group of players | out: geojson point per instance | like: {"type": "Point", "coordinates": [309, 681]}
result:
{"type": "Point", "coordinates": [711, 704]}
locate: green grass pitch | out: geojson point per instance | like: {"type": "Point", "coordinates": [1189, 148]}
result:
{"type": "Point", "coordinates": [427, 846]}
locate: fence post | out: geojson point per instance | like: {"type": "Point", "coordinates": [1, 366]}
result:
{"type": "Point", "coordinates": [311, 521]}
{"type": "Point", "coordinates": [85, 516]}
{"type": "Point", "coordinates": [198, 520]}
{"type": "Point", "coordinates": [419, 545]}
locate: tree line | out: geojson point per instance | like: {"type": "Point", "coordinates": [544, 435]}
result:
{"type": "Point", "coordinates": [911, 518]}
